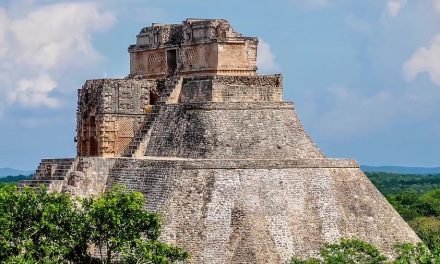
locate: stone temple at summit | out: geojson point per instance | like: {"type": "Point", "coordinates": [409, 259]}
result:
{"type": "Point", "coordinates": [215, 149]}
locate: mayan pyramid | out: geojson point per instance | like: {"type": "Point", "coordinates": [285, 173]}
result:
{"type": "Point", "coordinates": [218, 153]}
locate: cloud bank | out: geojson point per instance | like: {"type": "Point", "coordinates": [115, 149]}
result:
{"type": "Point", "coordinates": [37, 49]}
{"type": "Point", "coordinates": [266, 60]}
{"type": "Point", "coordinates": [437, 5]}
{"type": "Point", "coordinates": [425, 60]}
{"type": "Point", "coordinates": [394, 7]}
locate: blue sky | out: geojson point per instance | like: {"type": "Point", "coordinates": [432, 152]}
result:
{"type": "Point", "coordinates": [364, 75]}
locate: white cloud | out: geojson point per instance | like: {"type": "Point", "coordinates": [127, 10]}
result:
{"type": "Point", "coordinates": [425, 59]}
{"type": "Point", "coordinates": [34, 92]}
{"type": "Point", "coordinates": [266, 60]}
{"type": "Point", "coordinates": [394, 7]}
{"type": "Point", "coordinates": [437, 5]}
{"type": "Point", "coordinates": [34, 49]}
{"type": "Point", "coordinates": [3, 28]}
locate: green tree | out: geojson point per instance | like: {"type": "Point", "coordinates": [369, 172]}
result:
{"type": "Point", "coordinates": [117, 218]}
{"type": "Point", "coordinates": [37, 225]}
{"type": "Point", "coordinates": [409, 205]}
{"type": "Point", "coordinates": [154, 252]}
{"type": "Point", "coordinates": [347, 251]}
{"type": "Point", "coordinates": [352, 251]}
{"type": "Point", "coordinates": [50, 228]}
{"type": "Point", "coordinates": [428, 229]}
{"type": "Point", "coordinates": [413, 254]}
{"type": "Point", "coordinates": [431, 200]}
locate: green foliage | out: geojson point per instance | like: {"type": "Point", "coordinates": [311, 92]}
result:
{"type": "Point", "coordinates": [153, 252]}
{"type": "Point", "coordinates": [409, 205]}
{"type": "Point", "coordinates": [412, 205]}
{"type": "Point", "coordinates": [15, 179]}
{"type": "Point", "coordinates": [416, 198]}
{"type": "Point", "coordinates": [431, 201]}
{"type": "Point", "coordinates": [413, 254]}
{"type": "Point", "coordinates": [41, 227]}
{"type": "Point", "coordinates": [428, 229]}
{"type": "Point", "coordinates": [422, 211]}
{"type": "Point", "coordinates": [353, 251]}
{"type": "Point", "coordinates": [118, 218]}
{"type": "Point", "coordinates": [393, 183]}
{"type": "Point", "coordinates": [37, 225]}
{"type": "Point", "coordinates": [347, 251]}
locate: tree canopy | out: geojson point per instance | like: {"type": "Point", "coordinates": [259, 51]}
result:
{"type": "Point", "coordinates": [354, 251]}
{"type": "Point", "coordinates": [37, 226]}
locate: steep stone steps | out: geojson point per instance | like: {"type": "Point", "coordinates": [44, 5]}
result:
{"type": "Point", "coordinates": [39, 183]}
{"type": "Point", "coordinates": [169, 94]}
{"type": "Point", "coordinates": [171, 91]}
{"type": "Point", "coordinates": [54, 169]}
{"type": "Point", "coordinates": [141, 134]}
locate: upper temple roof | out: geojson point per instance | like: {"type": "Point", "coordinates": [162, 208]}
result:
{"type": "Point", "coordinates": [192, 30]}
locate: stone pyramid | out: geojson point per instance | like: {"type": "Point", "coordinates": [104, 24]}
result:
{"type": "Point", "coordinates": [218, 153]}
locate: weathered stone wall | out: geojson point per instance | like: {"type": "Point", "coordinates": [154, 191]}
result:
{"type": "Point", "coordinates": [265, 214]}
{"type": "Point", "coordinates": [141, 177]}
{"type": "Point", "coordinates": [263, 130]}
{"type": "Point", "coordinates": [109, 112]}
{"type": "Point", "coordinates": [198, 59]}
{"type": "Point", "coordinates": [196, 90]}
{"type": "Point", "coordinates": [82, 176]}
{"type": "Point", "coordinates": [128, 96]}
{"type": "Point", "coordinates": [235, 58]}
{"type": "Point", "coordinates": [232, 89]}
{"type": "Point", "coordinates": [116, 132]}
{"type": "Point", "coordinates": [89, 177]}
{"type": "Point", "coordinates": [152, 62]}
{"type": "Point", "coordinates": [248, 88]}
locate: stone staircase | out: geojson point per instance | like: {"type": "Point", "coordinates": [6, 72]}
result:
{"type": "Point", "coordinates": [171, 92]}
{"type": "Point", "coordinates": [143, 133]}
{"type": "Point", "coordinates": [169, 95]}
{"type": "Point", "coordinates": [51, 172]}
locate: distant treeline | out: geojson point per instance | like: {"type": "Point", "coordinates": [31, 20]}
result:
{"type": "Point", "coordinates": [417, 199]}
{"type": "Point", "coordinates": [393, 183]}
{"type": "Point", "coordinates": [15, 179]}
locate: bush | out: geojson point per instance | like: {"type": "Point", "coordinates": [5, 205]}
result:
{"type": "Point", "coordinates": [347, 251]}
{"type": "Point", "coordinates": [41, 227]}
{"type": "Point", "coordinates": [413, 254]}
{"type": "Point", "coordinates": [351, 251]}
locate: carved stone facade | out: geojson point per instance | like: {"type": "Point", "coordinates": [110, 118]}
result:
{"type": "Point", "coordinates": [110, 112]}
{"type": "Point", "coordinates": [196, 47]}
{"type": "Point", "coordinates": [216, 150]}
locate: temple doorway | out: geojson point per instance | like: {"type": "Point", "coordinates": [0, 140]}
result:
{"type": "Point", "coordinates": [172, 61]}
